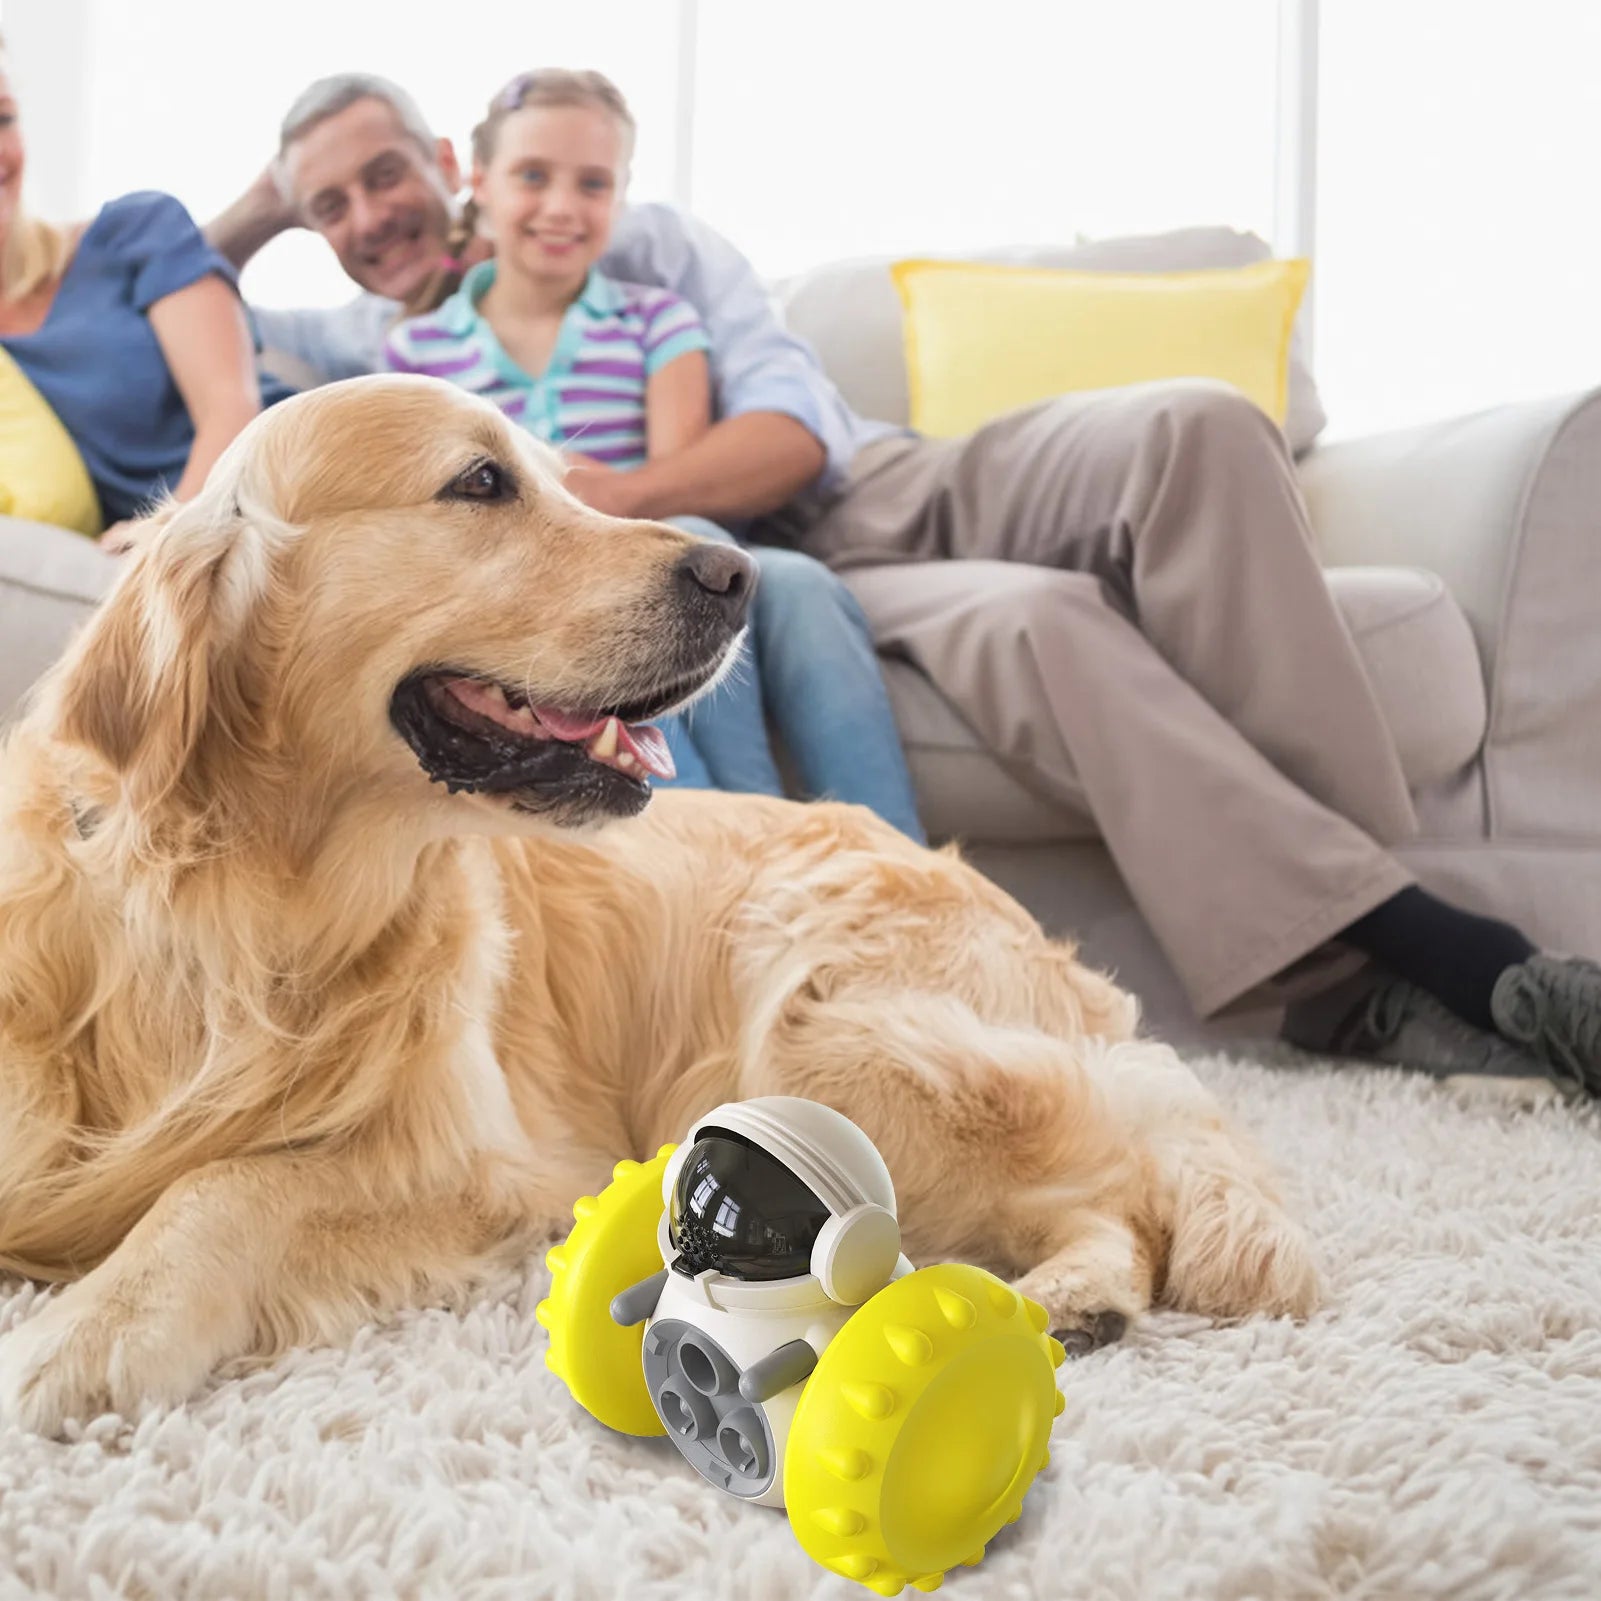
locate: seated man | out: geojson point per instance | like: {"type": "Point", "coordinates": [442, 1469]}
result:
{"type": "Point", "coordinates": [1118, 588]}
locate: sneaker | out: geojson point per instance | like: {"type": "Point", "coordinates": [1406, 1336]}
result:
{"type": "Point", "coordinates": [1551, 1006]}
{"type": "Point", "coordinates": [1378, 1018]}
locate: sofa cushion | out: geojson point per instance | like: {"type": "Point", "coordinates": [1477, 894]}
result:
{"type": "Point", "coordinates": [850, 314]}
{"type": "Point", "coordinates": [1410, 633]}
{"type": "Point", "coordinates": [1423, 663]}
{"type": "Point", "coordinates": [50, 580]}
{"type": "Point", "coordinates": [42, 476]}
{"type": "Point", "coordinates": [983, 340]}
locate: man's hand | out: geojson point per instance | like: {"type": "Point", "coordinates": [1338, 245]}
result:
{"type": "Point", "coordinates": [602, 488]}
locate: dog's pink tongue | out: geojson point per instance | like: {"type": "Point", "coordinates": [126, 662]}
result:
{"type": "Point", "coordinates": [649, 746]}
{"type": "Point", "coordinates": [643, 741]}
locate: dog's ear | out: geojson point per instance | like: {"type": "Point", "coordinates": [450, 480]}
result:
{"type": "Point", "coordinates": [145, 676]}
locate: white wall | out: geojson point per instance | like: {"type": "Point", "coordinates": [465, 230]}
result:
{"type": "Point", "coordinates": [1459, 227]}
{"type": "Point", "coordinates": [943, 125]}
{"type": "Point", "coordinates": [49, 46]}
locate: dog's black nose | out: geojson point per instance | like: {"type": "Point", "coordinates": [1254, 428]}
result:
{"type": "Point", "coordinates": [721, 575]}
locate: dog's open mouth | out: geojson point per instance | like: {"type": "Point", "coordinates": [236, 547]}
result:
{"type": "Point", "coordinates": [477, 734]}
{"type": "Point", "coordinates": [495, 711]}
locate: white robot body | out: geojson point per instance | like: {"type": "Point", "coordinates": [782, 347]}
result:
{"type": "Point", "coordinates": [779, 1227]}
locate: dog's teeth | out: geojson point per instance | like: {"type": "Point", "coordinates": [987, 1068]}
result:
{"type": "Point", "coordinates": [495, 693]}
{"type": "Point", "coordinates": [604, 744]}
{"type": "Point", "coordinates": [626, 761]}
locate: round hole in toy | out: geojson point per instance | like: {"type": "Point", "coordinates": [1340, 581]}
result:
{"type": "Point", "coordinates": [675, 1414]}
{"type": "Point", "coordinates": [699, 1368]}
{"type": "Point", "coordinates": [738, 1451]}
{"type": "Point", "coordinates": [686, 1412]}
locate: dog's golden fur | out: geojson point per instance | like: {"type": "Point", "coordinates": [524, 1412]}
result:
{"type": "Point", "coordinates": [290, 1036]}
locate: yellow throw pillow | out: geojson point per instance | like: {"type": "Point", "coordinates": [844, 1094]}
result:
{"type": "Point", "coordinates": [985, 339]}
{"type": "Point", "coordinates": [42, 476]}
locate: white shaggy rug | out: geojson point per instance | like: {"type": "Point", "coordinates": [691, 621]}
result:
{"type": "Point", "coordinates": [1435, 1432]}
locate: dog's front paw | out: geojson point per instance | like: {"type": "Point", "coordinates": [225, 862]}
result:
{"type": "Point", "coordinates": [81, 1357]}
{"type": "Point", "coordinates": [1081, 1312]}
{"type": "Point", "coordinates": [1091, 1332]}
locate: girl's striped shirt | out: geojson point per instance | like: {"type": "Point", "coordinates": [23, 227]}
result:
{"type": "Point", "coordinates": [591, 396]}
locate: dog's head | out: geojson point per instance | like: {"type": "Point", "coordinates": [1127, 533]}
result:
{"type": "Point", "coordinates": [385, 589]}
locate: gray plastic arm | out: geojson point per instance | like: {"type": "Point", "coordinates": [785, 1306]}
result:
{"type": "Point", "coordinates": [638, 1301]}
{"type": "Point", "coordinates": [776, 1371]}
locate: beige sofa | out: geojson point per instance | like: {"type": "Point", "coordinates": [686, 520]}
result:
{"type": "Point", "coordinates": [1466, 556]}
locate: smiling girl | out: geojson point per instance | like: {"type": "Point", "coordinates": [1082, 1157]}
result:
{"type": "Point", "coordinates": [579, 359]}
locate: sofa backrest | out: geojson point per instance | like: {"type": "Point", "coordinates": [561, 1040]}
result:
{"type": "Point", "coordinates": [850, 313]}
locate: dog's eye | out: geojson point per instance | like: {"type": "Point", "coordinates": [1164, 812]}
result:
{"type": "Point", "coordinates": [484, 480]}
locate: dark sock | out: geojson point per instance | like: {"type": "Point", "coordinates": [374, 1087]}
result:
{"type": "Point", "coordinates": [1456, 956]}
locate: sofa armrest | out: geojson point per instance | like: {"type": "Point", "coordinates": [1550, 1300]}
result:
{"type": "Point", "coordinates": [1505, 506]}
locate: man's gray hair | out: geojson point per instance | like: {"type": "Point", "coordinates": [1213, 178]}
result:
{"type": "Point", "coordinates": [327, 97]}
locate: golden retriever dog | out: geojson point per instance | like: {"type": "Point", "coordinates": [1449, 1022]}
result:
{"type": "Point", "coordinates": [324, 990]}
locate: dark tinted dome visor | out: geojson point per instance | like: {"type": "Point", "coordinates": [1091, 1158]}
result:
{"type": "Point", "coordinates": [738, 1211]}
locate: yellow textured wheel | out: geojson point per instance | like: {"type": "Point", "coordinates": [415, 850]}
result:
{"type": "Point", "coordinates": [921, 1429]}
{"type": "Point", "coordinates": [612, 1245]}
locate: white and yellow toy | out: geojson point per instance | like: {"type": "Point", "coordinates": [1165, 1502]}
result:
{"type": "Point", "coordinates": [745, 1294]}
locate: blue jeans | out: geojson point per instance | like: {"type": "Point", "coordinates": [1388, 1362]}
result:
{"type": "Point", "coordinates": [808, 666]}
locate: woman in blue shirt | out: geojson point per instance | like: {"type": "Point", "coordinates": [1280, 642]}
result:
{"type": "Point", "coordinates": [132, 329]}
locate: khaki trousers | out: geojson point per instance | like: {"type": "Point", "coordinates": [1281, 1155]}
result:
{"type": "Point", "coordinates": [1120, 594]}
